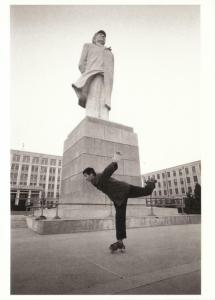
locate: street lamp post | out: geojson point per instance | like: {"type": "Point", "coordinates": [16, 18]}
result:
{"type": "Point", "coordinates": [186, 190]}
{"type": "Point", "coordinates": [42, 200]}
{"type": "Point", "coordinates": [167, 186]}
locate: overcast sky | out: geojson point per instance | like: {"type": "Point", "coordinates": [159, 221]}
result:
{"type": "Point", "coordinates": [156, 81]}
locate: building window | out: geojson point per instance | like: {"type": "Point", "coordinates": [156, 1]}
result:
{"type": "Point", "coordinates": [168, 174]}
{"type": "Point", "coordinates": [58, 186]}
{"type": "Point", "coordinates": [59, 163]}
{"type": "Point", "coordinates": [174, 173]}
{"type": "Point", "coordinates": [34, 169]}
{"type": "Point", "coordinates": [51, 186]}
{"type": "Point", "coordinates": [183, 190]}
{"type": "Point", "coordinates": [159, 193]}
{"type": "Point", "coordinates": [24, 176]}
{"type": "Point", "coordinates": [181, 181]}
{"type": "Point", "coordinates": [169, 182]}
{"type": "Point", "coordinates": [42, 177]}
{"type": "Point", "coordinates": [170, 191]}
{"type": "Point", "coordinates": [175, 182]}
{"type": "Point", "coordinates": [43, 170]}
{"type": "Point", "coordinates": [51, 178]}
{"type": "Point", "coordinates": [165, 193]}
{"type": "Point", "coordinates": [159, 185]}
{"type": "Point", "coordinates": [16, 157]}
{"type": "Point", "coordinates": [163, 175]}
{"type": "Point", "coordinates": [50, 194]}
{"type": "Point", "coordinates": [33, 177]}
{"type": "Point", "coordinates": [25, 167]}
{"type": "Point", "coordinates": [43, 185]}
{"type": "Point", "coordinates": [13, 176]}
{"type": "Point", "coordinates": [180, 172]}
{"type": "Point", "coordinates": [53, 162]}
{"type": "Point", "coordinates": [14, 167]}
{"type": "Point", "coordinates": [52, 170]}
{"type": "Point", "coordinates": [155, 193]}
{"type": "Point", "coordinates": [158, 176]}
{"type": "Point", "coordinates": [44, 161]}
{"type": "Point", "coordinates": [195, 179]}
{"type": "Point", "coordinates": [176, 191]}
{"type": "Point", "coordinates": [26, 158]}
{"type": "Point", "coordinates": [187, 171]}
{"type": "Point", "coordinates": [35, 160]}
{"type": "Point", "coordinates": [188, 179]}
{"type": "Point", "coordinates": [189, 189]}
{"type": "Point", "coordinates": [164, 183]}
{"type": "Point", "coordinates": [194, 169]}
{"type": "Point", "coordinates": [58, 178]}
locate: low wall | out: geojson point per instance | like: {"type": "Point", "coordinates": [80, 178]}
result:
{"type": "Point", "coordinates": [76, 212]}
{"type": "Point", "coordinates": [18, 221]}
{"type": "Point", "coordinates": [60, 226]}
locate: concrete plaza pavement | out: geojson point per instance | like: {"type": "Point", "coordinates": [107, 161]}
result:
{"type": "Point", "coordinates": [157, 260]}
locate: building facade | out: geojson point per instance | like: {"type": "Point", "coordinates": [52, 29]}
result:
{"type": "Point", "coordinates": [33, 175]}
{"type": "Point", "coordinates": [176, 181]}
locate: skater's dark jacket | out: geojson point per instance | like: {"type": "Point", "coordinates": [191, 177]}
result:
{"type": "Point", "coordinates": [116, 190]}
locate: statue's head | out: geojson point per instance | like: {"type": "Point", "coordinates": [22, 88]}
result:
{"type": "Point", "coordinates": [99, 37]}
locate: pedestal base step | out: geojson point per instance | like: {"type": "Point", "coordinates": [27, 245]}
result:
{"type": "Point", "coordinates": [62, 226]}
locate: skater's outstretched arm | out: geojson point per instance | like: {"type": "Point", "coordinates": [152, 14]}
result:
{"type": "Point", "coordinates": [109, 170]}
{"type": "Point", "coordinates": [112, 167]}
{"type": "Point", "coordinates": [116, 157]}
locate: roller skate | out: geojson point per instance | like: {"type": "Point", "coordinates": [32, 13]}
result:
{"type": "Point", "coordinates": [115, 246]}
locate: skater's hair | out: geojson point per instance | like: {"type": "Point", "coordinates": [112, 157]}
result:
{"type": "Point", "coordinates": [89, 171]}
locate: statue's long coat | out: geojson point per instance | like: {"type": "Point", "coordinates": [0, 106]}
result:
{"type": "Point", "coordinates": [95, 60]}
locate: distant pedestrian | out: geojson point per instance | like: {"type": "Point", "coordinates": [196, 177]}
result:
{"type": "Point", "coordinates": [118, 192]}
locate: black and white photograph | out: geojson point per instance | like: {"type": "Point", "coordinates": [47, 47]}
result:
{"type": "Point", "coordinates": [105, 151]}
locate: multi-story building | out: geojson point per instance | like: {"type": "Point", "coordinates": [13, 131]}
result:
{"type": "Point", "coordinates": [33, 175]}
{"type": "Point", "coordinates": [176, 181]}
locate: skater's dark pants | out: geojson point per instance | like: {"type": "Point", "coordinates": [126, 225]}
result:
{"type": "Point", "coordinates": [134, 192]}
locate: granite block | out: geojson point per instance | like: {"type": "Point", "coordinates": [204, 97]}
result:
{"type": "Point", "coordinates": [92, 144]}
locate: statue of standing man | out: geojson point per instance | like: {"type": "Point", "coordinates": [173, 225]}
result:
{"type": "Point", "coordinates": [94, 87]}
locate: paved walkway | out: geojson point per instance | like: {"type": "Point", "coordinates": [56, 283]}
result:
{"type": "Point", "coordinates": [157, 260]}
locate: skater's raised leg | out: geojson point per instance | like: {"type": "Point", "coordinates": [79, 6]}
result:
{"type": "Point", "coordinates": [138, 191]}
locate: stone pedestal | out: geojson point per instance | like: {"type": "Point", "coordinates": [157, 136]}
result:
{"type": "Point", "coordinates": [92, 144]}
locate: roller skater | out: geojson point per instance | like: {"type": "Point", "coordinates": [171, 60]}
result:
{"type": "Point", "coordinates": [118, 192]}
